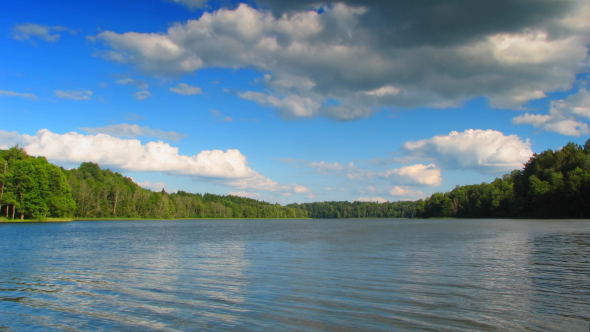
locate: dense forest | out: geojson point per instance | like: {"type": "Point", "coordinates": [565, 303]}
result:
{"type": "Point", "coordinates": [552, 184]}
{"type": "Point", "coordinates": [32, 188]}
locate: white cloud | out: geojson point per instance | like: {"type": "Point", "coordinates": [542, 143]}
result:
{"type": "Point", "coordinates": [103, 85]}
{"type": "Point", "coordinates": [226, 168]}
{"type": "Point", "coordinates": [485, 151]}
{"type": "Point", "coordinates": [384, 91]}
{"type": "Point", "coordinates": [185, 89]}
{"type": "Point", "coordinates": [290, 107]}
{"type": "Point", "coordinates": [419, 174]}
{"type": "Point", "coordinates": [564, 116]}
{"type": "Point", "coordinates": [227, 119]}
{"type": "Point", "coordinates": [141, 95]}
{"type": "Point", "coordinates": [134, 130]}
{"type": "Point", "coordinates": [16, 94]}
{"type": "Point", "coordinates": [556, 123]}
{"type": "Point", "coordinates": [577, 104]}
{"type": "Point", "coordinates": [372, 199]}
{"type": "Point", "coordinates": [9, 139]}
{"type": "Point", "coordinates": [406, 192]}
{"type": "Point", "coordinates": [74, 95]}
{"type": "Point", "coordinates": [142, 85]}
{"type": "Point", "coordinates": [346, 61]}
{"type": "Point", "coordinates": [29, 31]}
{"type": "Point", "coordinates": [299, 189]}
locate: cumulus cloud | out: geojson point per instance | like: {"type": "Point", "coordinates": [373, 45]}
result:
{"type": "Point", "coordinates": [142, 85]}
{"type": "Point", "coordinates": [419, 174]}
{"type": "Point", "coordinates": [17, 94]}
{"type": "Point", "coordinates": [372, 199]}
{"type": "Point", "coordinates": [406, 192]}
{"type": "Point", "coordinates": [353, 57]}
{"type": "Point", "coordinates": [185, 89]}
{"type": "Point", "coordinates": [134, 130]}
{"type": "Point", "coordinates": [74, 95]}
{"type": "Point", "coordinates": [299, 189]}
{"type": "Point", "coordinates": [226, 168]}
{"type": "Point", "coordinates": [564, 116]}
{"type": "Point", "coordinates": [484, 151]}
{"type": "Point", "coordinates": [141, 95]}
{"type": "Point", "coordinates": [9, 139]}
{"type": "Point", "coordinates": [30, 31]}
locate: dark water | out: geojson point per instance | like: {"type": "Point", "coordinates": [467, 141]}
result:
{"type": "Point", "coordinates": [296, 275]}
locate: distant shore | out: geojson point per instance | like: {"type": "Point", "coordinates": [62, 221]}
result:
{"type": "Point", "coordinates": [3, 220]}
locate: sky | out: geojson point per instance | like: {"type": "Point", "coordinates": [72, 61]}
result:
{"type": "Point", "coordinates": [295, 101]}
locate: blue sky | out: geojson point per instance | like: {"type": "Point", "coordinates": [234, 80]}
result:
{"type": "Point", "coordinates": [295, 101]}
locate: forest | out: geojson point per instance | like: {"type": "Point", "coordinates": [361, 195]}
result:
{"type": "Point", "coordinates": [552, 184]}
{"type": "Point", "coordinates": [32, 188]}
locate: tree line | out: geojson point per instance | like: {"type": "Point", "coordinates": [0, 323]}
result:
{"type": "Point", "coordinates": [552, 184]}
{"type": "Point", "coordinates": [32, 188]}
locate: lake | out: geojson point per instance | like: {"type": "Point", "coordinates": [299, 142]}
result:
{"type": "Point", "coordinates": [296, 275]}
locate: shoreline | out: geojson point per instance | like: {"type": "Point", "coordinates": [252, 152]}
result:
{"type": "Point", "coordinates": [16, 221]}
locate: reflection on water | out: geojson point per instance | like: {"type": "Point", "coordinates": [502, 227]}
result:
{"type": "Point", "coordinates": [322, 275]}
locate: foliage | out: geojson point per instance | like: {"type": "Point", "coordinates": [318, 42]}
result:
{"type": "Point", "coordinates": [32, 188]}
{"type": "Point", "coordinates": [347, 209]}
{"type": "Point", "coordinates": [552, 184]}
{"type": "Point", "coordinates": [106, 194]}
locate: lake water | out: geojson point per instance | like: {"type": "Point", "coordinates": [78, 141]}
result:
{"type": "Point", "coordinates": [296, 275]}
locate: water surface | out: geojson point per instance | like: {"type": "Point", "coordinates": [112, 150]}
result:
{"type": "Point", "coordinates": [296, 275]}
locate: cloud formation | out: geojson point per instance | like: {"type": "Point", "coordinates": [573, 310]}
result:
{"type": "Point", "coordinates": [484, 151]}
{"type": "Point", "coordinates": [74, 95]}
{"type": "Point", "coordinates": [226, 168]}
{"type": "Point", "coordinates": [134, 130]}
{"type": "Point", "coordinates": [29, 31]}
{"type": "Point", "coordinates": [405, 192]}
{"type": "Point", "coordinates": [31, 96]}
{"type": "Point", "coordinates": [185, 89]}
{"type": "Point", "coordinates": [142, 85]}
{"type": "Point", "coordinates": [419, 174]}
{"type": "Point", "coordinates": [141, 95]}
{"type": "Point", "coordinates": [350, 58]}
{"type": "Point", "coordinates": [564, 116]}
